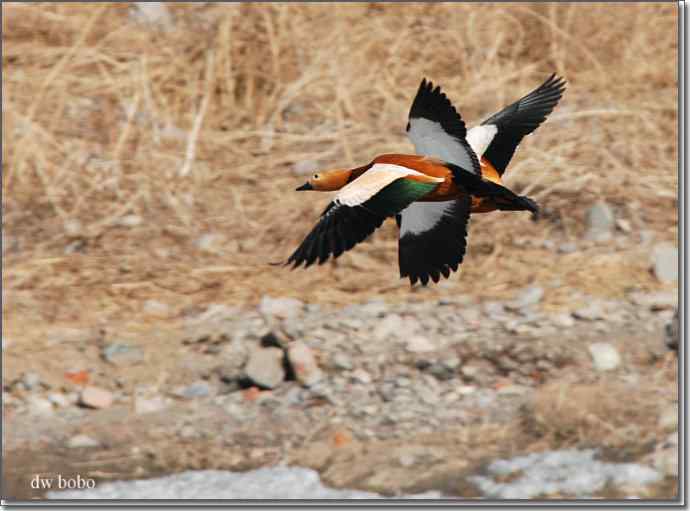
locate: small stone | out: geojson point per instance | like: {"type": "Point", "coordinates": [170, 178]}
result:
{"type": "Point", "coordinates": [623, 225]}
{"type": "Point", "coordinates": [567, 248]}
{"type": "Point", "coordinates": [361, 376]}
{"type": "Point", "coordinates": [280, 307]}
{"type": "Point", "coordinates": [531, 295]}
{"type": "Point", "coordinates": [655, 301]}
{"type": "Point", "coordinates": [129, 221]}
{"type": "Point", "coordinates": [604, 355]}
{"type": "Point", "coordinates": [465, 390]}
{"type": "Point", "coordinates": [39, 405]}
{"type": "Point", "coordinates": [665, 263]}
{"type": "Point", "coordinates": [386, 327]}
{"type": "Point", "coordinates": [304, 364]}
{"type": "Point", "coordinates": [95, 397]}
{"type": "Point", "coordinates": [59, 400]}
{"type": "Point", "coordinates": [195, 390]}
{"type": "Point", "coordinates": [265, 367]}
{"type": "Point", "coordinates": [419, 344]}
{"type": "Point", "coordinates": [513, 390]}
{"type": "Point", "coordinates": [452, 362]}
{"type": "Point", "coordinates": [600, 221]}
{"type": "Point", "coordinates": [304, 167]}
{"type": "Point", "coordinates": [591, 312]}
{"type": "Point", "coordinates": [668, 419]}
{"type": "Point", "coordinates": [120, 354]}
{"type": "Point", "coordinates": [342, 362]}
{"type": "Point", "coordinates": [563, 320]}
{"type": "Point", "coordinates": [493, 309]}
{"type": "Point", "coordinates": [149, 405]}
{"type": "Point", "coordinates": [30, 381]}
{"type": "Point", "coordinates": [79, 441]}
{"type": "Point", "coordinates": [156, 308]}
{"type": "Point", "coordinates": [470, 371]}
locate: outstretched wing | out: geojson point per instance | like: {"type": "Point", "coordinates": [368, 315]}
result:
{"type": "Point", "coordinates": [436, 129]}
{"type": "Point", "coordinates": [497, 138]}
{"type": "Point", "coordinates": [433, 238]}
{"type": "Point", "coordinates": [358, 210]}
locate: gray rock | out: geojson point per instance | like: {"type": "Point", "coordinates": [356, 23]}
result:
{"type": "Point", "coordinates": [600, 222]}
{"type": "Point", "coordinates": [604, 355]}
{"type": "Point", "coordinates": [79, 441]}
{"type": "Point", "coordinates": [531, 295]}
{"type": "Point", "coordinates": [150, 404]}
{"type": "Point", "coordinates": [276, 483]}
{"type": "Point", "coordinates": [568, 247]}
{"type": "Point", "coordinates": [39, 405]}
{"type": "Point", "coordinates": [513, 390]}
{"type": "Point", "coordinates": [30, 381]}
{"type": "Point", "coordinates": [342, 361]}
{"type": "Point", "coordinates": [122, 354]}
{"type": "Point", "coordinates": [665, 263]}
{"type": "Point", "coordinates": [563, 320]}
{"type": "Point", "coordinates": [655, 301]}
{"type": "Point", "coordinates": [129, 221]}
{"type": "Point", "coordinates": [304, 364]}
{"type": "Point", "coordinates": [361, 376]}
{"type": "Point", "coordinates": [668, 419]}
{"type": "Point", "coordinates": [591, 312]}
{"type": "Point", "coordinates": [95, 397]}
{"type": "Point", "coordinates": [419, 344]}
{"type": "Point", "coordinates": [58, 399]}
{"type": "Point", "coordinates": [195, 390]}
{"type": "Point", "coordinates": [494, 309]}
{"type": "Point", "coordinates": [389, 326]}
{"type": "Point", "coordinates": [570, 472]}
{"type": "Point", "coordinates": [280, 307]}
{"type": "Point", "coordinates": [265, 367]}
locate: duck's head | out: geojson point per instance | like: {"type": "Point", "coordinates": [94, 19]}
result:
{"type": "Point", "coordinates": [327, 180]}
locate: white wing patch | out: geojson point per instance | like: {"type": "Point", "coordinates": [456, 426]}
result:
{"type": "Point", "coordinates": [480, 137]}
{"type": "Point", "coordinates": [423, 216]}
{"type": "Point", "coordinates": [430, 139]}
{"type": "Point", "coordinates": [373, 181]}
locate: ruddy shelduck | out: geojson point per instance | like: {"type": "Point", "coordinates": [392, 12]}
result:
{"type": "Point", "coordinates": [456, 172]}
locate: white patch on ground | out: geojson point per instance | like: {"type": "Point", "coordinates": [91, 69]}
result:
{"type": "Point", "coordinates": [374, 180]}
{"type": "Point", "coordinates": [572, 472]}
{"type": "Point", "coordinates": [422, 216]}
{"type": "Point", "coordinates": [480, 137]}
{"type": "Point", "coordinates": [264, 483]}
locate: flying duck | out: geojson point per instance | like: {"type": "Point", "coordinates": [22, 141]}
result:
{"type": "Point", "coordinates": [456, 172]}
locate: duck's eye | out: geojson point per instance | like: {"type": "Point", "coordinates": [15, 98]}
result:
{"type": "Point", "coordinates": [316, 176]}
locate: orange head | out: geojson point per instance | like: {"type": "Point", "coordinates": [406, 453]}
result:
{"type": "Point", "coordinates": [327, 180]}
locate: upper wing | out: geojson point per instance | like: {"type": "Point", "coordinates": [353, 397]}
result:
{"type": "Point", "coordinates": [499, 135]}
{"type": "Point", "coordinates": [355, 214]}
{"type": "Point", "coordinates": [436, 129]}
{"type": "Point", "coordinates": [432, 238]}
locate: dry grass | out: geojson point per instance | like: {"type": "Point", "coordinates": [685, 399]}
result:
{"type": "Point", "coordinates": [126, 142]}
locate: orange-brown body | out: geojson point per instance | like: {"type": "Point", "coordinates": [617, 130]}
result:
{"type": "Point", "coordinates": [332, 180]}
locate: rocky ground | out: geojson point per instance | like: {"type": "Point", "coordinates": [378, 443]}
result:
{"type": "Point", "coordinates": [389, 398]}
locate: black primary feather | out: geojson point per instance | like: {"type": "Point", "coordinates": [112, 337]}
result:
{"type": "Point", "coordinates": [521, 118]}
{"type": "Point", "coordinates": [427, 255]}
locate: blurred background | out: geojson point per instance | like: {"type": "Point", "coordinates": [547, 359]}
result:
{"type": "Point", "coordinates": [150, 155]}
